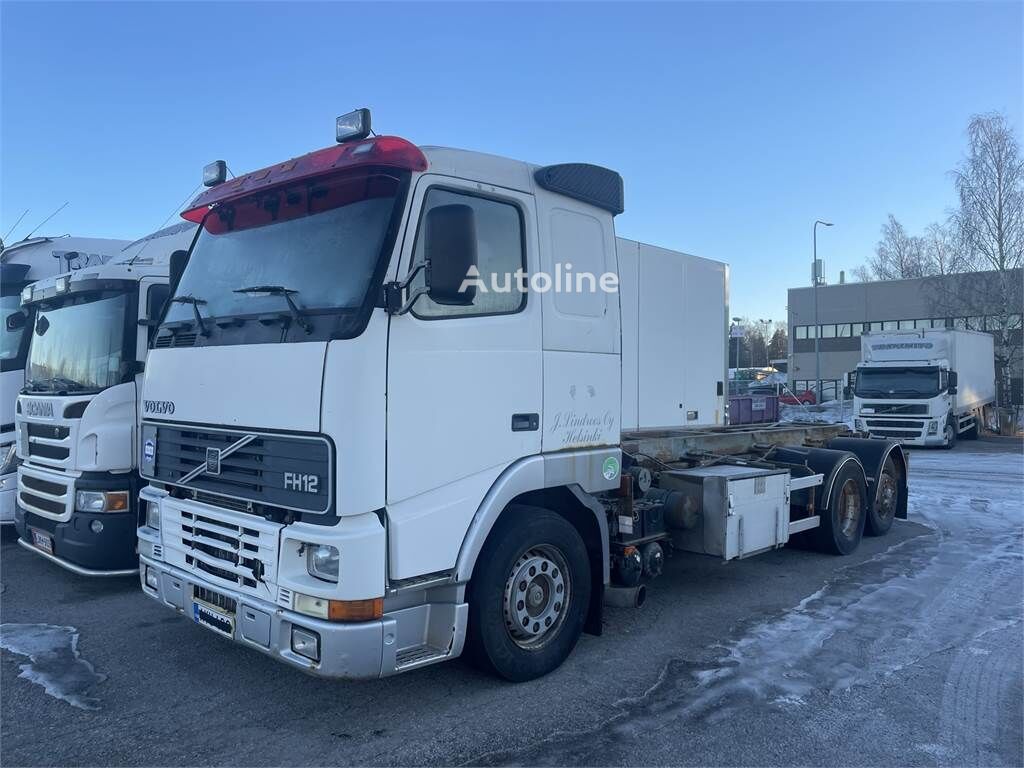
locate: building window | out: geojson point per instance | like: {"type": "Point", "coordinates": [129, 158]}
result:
{"type": "Point", "coordinates": [828, 331]}
{"type": "Point", "coordinates": [843, 331]}
{"type": "Point", "coordinates": [889, 325]}
{"type": "Point", "coordinates": [801, 332]}
{"type": "Point", "coordinates": [856, 329]}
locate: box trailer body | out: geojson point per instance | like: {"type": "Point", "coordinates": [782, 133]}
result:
{"type": "Point", "coordinates": [924, 387]}
{"type": "Point", "coordinates": [364, 481]}
{"type": "Point", "coordinates": [21, 264]}
{"type": "Point", "coordinates": [672, 376]}
{"type": "Point", "coordinates": [76, 425]}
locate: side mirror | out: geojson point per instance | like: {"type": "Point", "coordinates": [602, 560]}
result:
{"type": "Point", "coordinates": [952, 382]}
{"type": "Point", "coordinates": [450, 250]}
{"type": "Point", "coordinates": [177, 266]}
{"type": "Point", "coordinates": [15, 321]}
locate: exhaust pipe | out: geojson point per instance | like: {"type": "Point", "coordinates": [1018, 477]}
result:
{"type": "Point", "coordinates": [625, 597]}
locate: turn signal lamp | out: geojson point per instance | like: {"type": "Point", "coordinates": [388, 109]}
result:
{"type": "Point", "coordinates": [340, 610]}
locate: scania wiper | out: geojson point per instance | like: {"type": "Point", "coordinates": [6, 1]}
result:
{"type": "Point", "coordinates": [280, 290]}
{"type": "Point", "coordinates": [189, 299]}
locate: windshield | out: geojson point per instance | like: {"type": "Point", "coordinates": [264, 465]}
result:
{"type": "Point", "coordinates": [321, 240]}
{"type": "Point", "coordinates": [897, 382]}
{"type": "Point", "coordinates": [78, 343]}
{"type": "Point", "coordinates": [10, 341]}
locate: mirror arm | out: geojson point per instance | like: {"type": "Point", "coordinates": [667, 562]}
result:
{"type": "Point", "coordinates": [393, 291]}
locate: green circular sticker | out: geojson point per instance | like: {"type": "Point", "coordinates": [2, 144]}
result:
{"type": "Point", "coordinates": [610, 468]}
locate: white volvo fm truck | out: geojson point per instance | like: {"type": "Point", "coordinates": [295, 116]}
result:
{"type": "Point", "coordinates": [77, 415]}
{"type": "Point", "coordinates": [924, 387]}
{"type": "Point", "coordinates": [22, 263]}
{"type": "Point", "coordinates": [363, 458]}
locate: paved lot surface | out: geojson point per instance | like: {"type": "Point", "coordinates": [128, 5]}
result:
{"type": "Point", "coordinates": [907, 653]}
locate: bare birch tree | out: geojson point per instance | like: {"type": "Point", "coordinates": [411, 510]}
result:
{"type": "Point", "coordinates": [898, 254]}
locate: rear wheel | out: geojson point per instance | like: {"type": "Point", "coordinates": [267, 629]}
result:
{"type": "Point", "coordinates": [528, 595]}
{"type": "Point", "coordinates": [883, 508]}
{"type": "Point", "coordinates": [842, 524]}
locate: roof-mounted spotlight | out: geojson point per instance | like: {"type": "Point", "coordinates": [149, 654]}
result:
{"type": "Point", "coordinates": [215, 173]}
{"type": "Point", "coordinates": [353, 126]}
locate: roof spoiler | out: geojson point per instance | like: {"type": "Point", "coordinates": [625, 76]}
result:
{"type": "Point", "coordinates": [591, 184]}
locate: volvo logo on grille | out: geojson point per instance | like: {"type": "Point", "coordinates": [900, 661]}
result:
{"type": "Point", "coordinates": [40, 409]}
{"type": "Point", "coordinates": [213, 461]}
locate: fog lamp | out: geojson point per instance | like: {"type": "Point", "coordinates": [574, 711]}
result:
{"type": "Point", "coordinates": [152, 578]}
{"type": "Point", "coordinates": [306, 642]}
{"type": "Point", "coordinates": [96, 526]}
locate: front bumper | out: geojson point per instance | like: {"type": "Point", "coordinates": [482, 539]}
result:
{"type": "Point", "coordinates": [111, 551]}
{"type": "Point", "coordinates": [353, 651]}
{"type": "Point", "coordinates": [8, 497]}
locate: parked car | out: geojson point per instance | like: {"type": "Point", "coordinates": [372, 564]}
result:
{"type": "Point", "coordinates": [785, 395]}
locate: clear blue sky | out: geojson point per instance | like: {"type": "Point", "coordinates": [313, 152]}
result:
{"type": "Point", "coordinates": [734, 126]}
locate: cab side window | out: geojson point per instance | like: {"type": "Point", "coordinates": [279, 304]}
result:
{"type": "Point", "coordinates": [500, 254]}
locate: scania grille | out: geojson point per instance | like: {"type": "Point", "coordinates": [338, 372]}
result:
{"type": "Point", "coordinates": [282, 471]}
{"type": "Point", "coordinates": [47, 451]}
{"type": "Point", "coordinates": [43, 495]}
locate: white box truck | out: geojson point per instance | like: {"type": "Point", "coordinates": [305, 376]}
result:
{"type": "Point", "coordinates": [77, 415]}
{"type": "Point", "coordinates": [924, 387]}
{"type": "Point", "coordinates": [365, 455]}
{"type": "Point", "coordinates": [22, 263]}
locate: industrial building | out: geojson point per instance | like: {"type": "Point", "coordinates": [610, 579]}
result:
{"type": "Point", "coordinates": [969, 301]}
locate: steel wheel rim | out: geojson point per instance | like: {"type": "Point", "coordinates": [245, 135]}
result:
{"type": "Point", "coordinates": [949, 434]}
{"type": "Point", "coordinates": [849, 509]}
{"type": "Point", "coordinates": [888, 495]}
{"type": "Point", "coordinates": [536, 597]}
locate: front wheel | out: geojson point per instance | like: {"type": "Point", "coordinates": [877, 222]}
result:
{"type": "Point", "coordinates": [528, 595]}
{"type": "Point", "coordinates": [949, 437]}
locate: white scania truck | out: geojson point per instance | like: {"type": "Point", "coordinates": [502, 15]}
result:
{"type": "Point", "coordinates": [924, 387]}
{"type": "Point", "coordinates": [77, 415]}
{"type": "Point", "coordinates": [360, 465]}
{"type": "Point", "coordinates": [22, 263]}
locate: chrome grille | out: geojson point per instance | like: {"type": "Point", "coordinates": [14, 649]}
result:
{"type": "Point", "coordinates": [903, 408]}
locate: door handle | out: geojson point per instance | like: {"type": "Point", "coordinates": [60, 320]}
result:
{"type": "Point", "coordinates": [525, 422]}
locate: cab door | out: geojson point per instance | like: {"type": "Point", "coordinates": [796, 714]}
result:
{"type": "Point", "coordinates": [464, 393]}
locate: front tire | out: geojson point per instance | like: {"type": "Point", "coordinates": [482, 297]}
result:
{"type": "Point", "coordinates": [949, 436]}
{"type": "Point", "coordinates": [842, 524]}
{"type": "Point", "coordinates": [528, 595]}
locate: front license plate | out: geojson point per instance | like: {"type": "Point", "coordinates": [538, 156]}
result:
{"type": "Point", "coordinates": [41, 541]}
{"type": "Point", "coordinates": [213, 618]}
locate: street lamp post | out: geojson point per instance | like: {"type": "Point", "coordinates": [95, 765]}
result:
{"type": "Point", "coordinates": [735, 321]}
{"type": "Point", "coordinates": [764, 335]}
{"type": "Point", "coordinates": [815, 279]}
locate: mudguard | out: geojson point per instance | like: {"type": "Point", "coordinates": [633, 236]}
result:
{"type": "Point", "coordinates": [823, 461]}
{"type": "Point", "coordinates": [872, 454]}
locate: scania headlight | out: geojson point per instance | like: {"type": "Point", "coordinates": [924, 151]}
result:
{"type": "Point", "coordinates": [322, 561]}
{"type": "Point", "coordinates": [101, 501]}
{"type": "Point", "coordinates": [10, 459]}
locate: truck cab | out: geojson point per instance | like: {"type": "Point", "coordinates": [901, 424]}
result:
{"type": "Point", "coordinates": [908, 385]}
{"type": "Point", "coordinates": [76, 417]}
{"type": "Point", "coordinates": [22, 263]}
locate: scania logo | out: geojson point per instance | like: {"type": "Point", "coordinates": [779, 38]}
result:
{"type": "Point", "coordinates": [158, 406]}
{"type": "Point", "coordinates": [41, 409]}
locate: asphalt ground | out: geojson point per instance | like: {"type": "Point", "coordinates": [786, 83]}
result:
{"type": "Point", "coordinates": [906, 653]}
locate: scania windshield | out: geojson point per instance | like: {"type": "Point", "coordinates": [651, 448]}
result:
{"type": "Point", "coordinates": [894, 383]}
{"type": "Point", "coordinates": [82, 342]}
{"type": "Point", "coordinates": [292, 263]}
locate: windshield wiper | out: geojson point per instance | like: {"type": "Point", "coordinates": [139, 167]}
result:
{"type": "Point", "coordinates": [190, 299]}
{"type": "Point", "coordinates": [280, 290]}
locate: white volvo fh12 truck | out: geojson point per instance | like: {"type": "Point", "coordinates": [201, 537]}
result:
{"type": "Point", "coordinates": [924, 387]}
{"type": "Point", "coordinates": [364, 456]}
{"type": "Point", "coordinates": [22, 263]}
{"type": "Point", "coordinates": [77, 415]}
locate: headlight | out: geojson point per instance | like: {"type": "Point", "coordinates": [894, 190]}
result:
{"type": "Point", "coordinates": [101, 501]}
{"type": "Point", "coordinates": [152, 514]}
{"type": "Point", "coordinates": [10, 459]}
{"type": "Point", "coordinates": [933, 427]}
{"type": "Point", "coordinates": [858, 425]}
{"type": "Point", "coordinates": [322, 562]}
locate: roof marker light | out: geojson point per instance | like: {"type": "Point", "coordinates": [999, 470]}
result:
{"type": "Point", "coordinates": [26, 294]}
{"type": "Point", "coordinates": [215, 173]}
{"type": "Point", "coordinates": [62, 284]}
{"type": "Point", "coordinates": [353, 126]}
